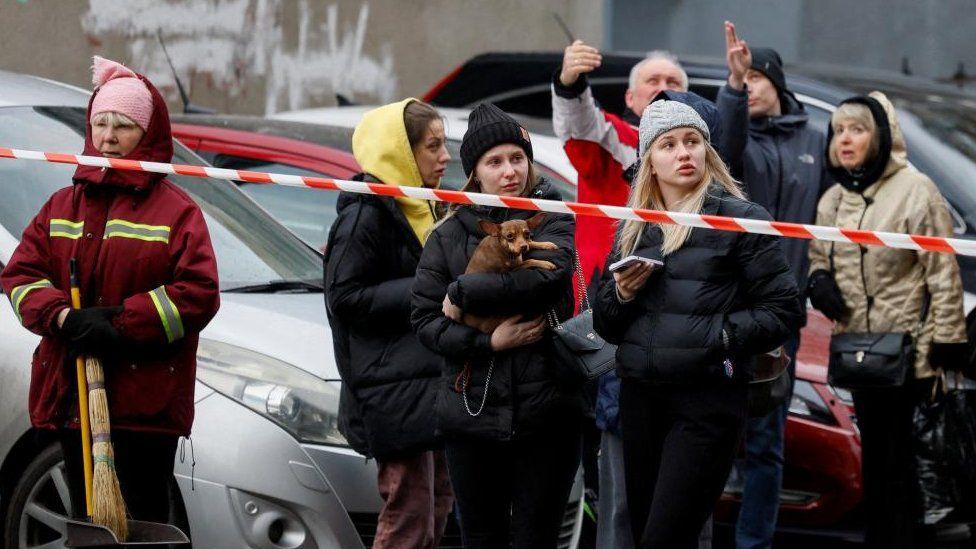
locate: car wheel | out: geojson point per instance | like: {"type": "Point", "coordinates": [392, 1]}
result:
{"type": "Point", "coordinates": [39, 504]}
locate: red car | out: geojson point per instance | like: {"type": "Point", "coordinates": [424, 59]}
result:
{"type": "Point", "coordinates": [822, 472]}
{"type": "Point", "coordinates": [252, 143]}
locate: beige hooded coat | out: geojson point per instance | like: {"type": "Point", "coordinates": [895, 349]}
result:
{"type": "Point", "coordinates": [903, 200]}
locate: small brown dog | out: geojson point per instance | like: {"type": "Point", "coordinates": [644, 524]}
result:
{"type": "Point", "coordinates": [502, 251]}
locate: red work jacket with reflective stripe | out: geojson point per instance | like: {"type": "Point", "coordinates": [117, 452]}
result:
{"type": "Point", "coordinates": [142, 243]}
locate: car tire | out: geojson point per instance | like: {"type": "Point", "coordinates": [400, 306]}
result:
{"type": "Point", "coordinates": [31, 489]}
{"type": "Point", "coordinates": [37, 487]}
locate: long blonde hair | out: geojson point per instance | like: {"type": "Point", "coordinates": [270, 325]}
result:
{"type": "Point", "coordinates": [647, 194]}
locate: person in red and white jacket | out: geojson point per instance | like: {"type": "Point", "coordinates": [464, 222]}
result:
{"type": "Point", "coordinates": [148, 280]}
{"type": "Point", "coordinates": [599, 144]}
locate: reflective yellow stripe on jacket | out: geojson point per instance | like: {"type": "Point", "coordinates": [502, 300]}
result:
{"type": "Point", "coordinates": [20, 292]}
{"type": "Point", "coordinates": [65, 228]}
{"type": "Point", "coordinates": [120, 228]}
{"type": "Point", "coordinates": [168, 314]}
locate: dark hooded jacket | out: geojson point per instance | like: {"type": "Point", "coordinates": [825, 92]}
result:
{"type": "Point", "coordinates": [386, 406]}
{"type": "Point", "coordinates": [141, 243]}
{"type": "Point", "coordinates": [779, 160]}
{"type": "Point", "coordinates": [389, 378]}
{"type": "Point", "coordinates": [529, 390]}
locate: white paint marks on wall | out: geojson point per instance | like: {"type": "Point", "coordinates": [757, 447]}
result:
{"type": "Point", "coordinates": [235, 43]}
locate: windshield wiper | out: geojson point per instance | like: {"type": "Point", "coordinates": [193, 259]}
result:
{"type": "Point", "coordinates": [276, 286]}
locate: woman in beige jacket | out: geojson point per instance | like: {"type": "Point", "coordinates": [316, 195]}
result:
{"type": "Point", "coordinates": [878, 289]}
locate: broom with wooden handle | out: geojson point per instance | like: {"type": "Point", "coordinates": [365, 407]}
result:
{"type": "Point", "coordinates": [103, 497]}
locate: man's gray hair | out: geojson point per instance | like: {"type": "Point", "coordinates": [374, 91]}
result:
{"type": "Point", "coordinates": [654, 56]}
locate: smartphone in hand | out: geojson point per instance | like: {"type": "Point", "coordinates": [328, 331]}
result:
{"type": "Point", "coordinates": [633, 260]}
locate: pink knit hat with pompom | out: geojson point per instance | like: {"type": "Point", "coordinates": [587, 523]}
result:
{"type": "Point", "coordinates": [118, 89]}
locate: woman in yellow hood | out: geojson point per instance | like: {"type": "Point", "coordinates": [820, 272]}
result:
{"type": "Point", "coordinates": [403, 144]}
{"type": "Point", "coordinates": [386, 408]}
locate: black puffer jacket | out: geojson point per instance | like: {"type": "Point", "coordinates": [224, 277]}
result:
{"type": "Point", "coordinates": [672, 331]}
{"type": "Point", "coordinates": [389, 379]}
{"type": "Point", "coordinates": [528, 389]}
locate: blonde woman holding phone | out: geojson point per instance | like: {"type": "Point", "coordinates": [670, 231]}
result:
{"type": "Point", "coordinates": [686, 330]}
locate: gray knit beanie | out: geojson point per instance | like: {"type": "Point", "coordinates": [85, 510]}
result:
{"type": "Point", "coordinates": [663, 116]}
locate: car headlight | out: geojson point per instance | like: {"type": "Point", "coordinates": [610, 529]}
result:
{"type": "Point", "coordinates": [808, 404]}
{"type": "Point", "coordinates": [302, 404]}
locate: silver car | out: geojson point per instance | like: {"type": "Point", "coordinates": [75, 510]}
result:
{"type": "Point", "coordinates": [266, 466]}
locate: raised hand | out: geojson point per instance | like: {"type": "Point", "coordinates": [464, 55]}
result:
{"type": "Point", "coordinates": [737, 57]}
{"type": "Point", "coordinates": [578, 58]}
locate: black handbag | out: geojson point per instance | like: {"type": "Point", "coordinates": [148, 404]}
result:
{"type": "Point", "coordinates": [862, 360]}
{"type": "Point", "coordinates": [578, 348]}
{"type": "Point", "coordinates": [872, 359]}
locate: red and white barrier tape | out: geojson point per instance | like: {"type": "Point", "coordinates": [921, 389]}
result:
{"type": "Point", "coordinates": [775, 228]}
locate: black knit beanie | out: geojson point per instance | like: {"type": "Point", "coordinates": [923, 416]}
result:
{"type": "Point", "coordinates": [489, 126]}
{"type": "Point", "coordinates": [768, 62]}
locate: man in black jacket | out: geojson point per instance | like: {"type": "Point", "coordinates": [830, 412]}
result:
{"type": "Point", "coordinates": [780, 160]}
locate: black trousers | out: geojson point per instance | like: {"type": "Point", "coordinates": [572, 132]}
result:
{"type": "Point", "coordinates": [514, 494]}
{"type": "Point", "coordinates": [144, 464]}
{"type": "Point", "coordinates": [891, 498]}
{"type": "Point", "coordinates": [679, 444]}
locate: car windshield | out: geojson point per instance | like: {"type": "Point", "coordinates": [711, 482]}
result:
{"type": "Point", "coordinates": [252, 249]}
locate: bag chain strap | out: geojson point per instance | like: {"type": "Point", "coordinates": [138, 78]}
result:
{"type": "Point", "coordinates": [583, 299]}
{"type": "Point", "coordinates": [484, 396]}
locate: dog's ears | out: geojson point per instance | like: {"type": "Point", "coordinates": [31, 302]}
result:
{"type": "Point", "coordinates": [534, 221]}
{"type": "Point", "coordinates": [491, 229]}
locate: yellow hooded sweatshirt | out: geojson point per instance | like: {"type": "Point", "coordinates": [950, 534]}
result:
{"type": "Point", "coordinates": [382, 149]}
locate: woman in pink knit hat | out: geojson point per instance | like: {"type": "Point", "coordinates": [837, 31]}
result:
{"type": "Point", "coordinates": [148, 281]}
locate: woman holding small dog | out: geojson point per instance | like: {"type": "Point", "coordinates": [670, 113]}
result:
{"type": "Point", "coordinates": [686, 330]}
{"type": "Point", "coordinates": [509, 418]}
{"type": "Point", "coordinates": [389, 378]}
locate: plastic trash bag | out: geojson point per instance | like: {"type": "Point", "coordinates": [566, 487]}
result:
{"type": "Point", "coordinates": [960, 437]}
{"type": "Point", "coordinates": [936, 487]}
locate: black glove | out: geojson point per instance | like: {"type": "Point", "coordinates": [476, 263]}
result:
{"type": "Point", "coordinates": [826, 297]}
{"type": "Point", "coordinates": [949, 356]}
{"type": "Point", "coordinates": [91, 331]}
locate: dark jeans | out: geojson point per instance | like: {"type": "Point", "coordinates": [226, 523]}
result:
{"type": "Point", "coordinates": [679, 443]}
{"type": "Point", "coordinates": [762, 471]}
{"type": "Point", "coordinates": [891, 498]}
{"type": "Point", "coordinates": [514, 493]}
{"type": "Point", "coordinates": [144, 464]}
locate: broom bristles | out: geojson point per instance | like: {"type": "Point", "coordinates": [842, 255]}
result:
{"type": "Point", "coordinates": [108, 506]}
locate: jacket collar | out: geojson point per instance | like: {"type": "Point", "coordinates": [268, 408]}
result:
{"type": "Point", "coordinates": [653, 237]}
{"type": "Point", "coordinates": [469, 216]}
{"type": "Point", "coordinates": [631, 118]}
{"type": "Point", "coordinates": [793, 118]}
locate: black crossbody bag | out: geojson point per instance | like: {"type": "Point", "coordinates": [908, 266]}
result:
{"type": "Point", "coordinates": [873, 359]}
{"type": "Point", "coordinates": [577, 345]}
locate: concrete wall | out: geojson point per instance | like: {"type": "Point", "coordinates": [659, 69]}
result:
{"type": "Point", "coordinates": [935, 35]}
{"type": "Point", "coordinates": [265, 56]}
